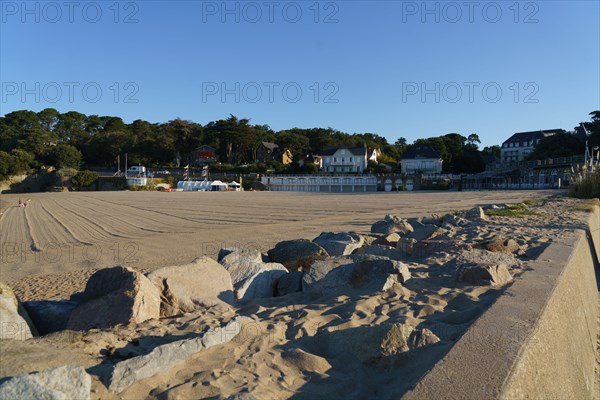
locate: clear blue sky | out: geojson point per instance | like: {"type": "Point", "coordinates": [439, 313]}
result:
{"type": "Point", "coordinates": [371, 62]}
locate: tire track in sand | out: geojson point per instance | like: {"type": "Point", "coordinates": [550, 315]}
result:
{"type": "Point", "coordinates": [94, 223]}
{"type": "Point", "coordinates": [65, 227]}
{"type": "Point", "coordinates": [34, 243]}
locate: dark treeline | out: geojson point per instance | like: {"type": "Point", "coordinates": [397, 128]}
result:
{"type": "Point", "coordinates": [30, 140]}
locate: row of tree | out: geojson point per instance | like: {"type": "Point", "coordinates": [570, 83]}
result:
{"type": "Point", "coordinates": [49, 138]}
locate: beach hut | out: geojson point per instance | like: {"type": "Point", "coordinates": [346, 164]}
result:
{"type": "Point", "coordinates": [217, 186]}
{"type": "Point", "coordinates": [204, 186]}
{"type": "Point", "coordinates": [196, 186]}
{"type": "Point", "coordinates": [234, 186]}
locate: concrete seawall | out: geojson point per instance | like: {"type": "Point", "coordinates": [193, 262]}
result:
{"type": "Point", "coordinates": [538, 340]}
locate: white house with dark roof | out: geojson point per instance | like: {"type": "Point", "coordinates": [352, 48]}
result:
{"type": "Point", "coordinates": [521, 144]}
{"type": "Point", "coordinates": [421, 159]}
{"type": "Point", "coordinates": [344, 159]}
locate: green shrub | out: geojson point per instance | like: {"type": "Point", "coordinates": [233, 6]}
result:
{"type": "Point", "coordinates": [142, 188]}
{"type": "Point", "coordinates": [84, 178]}
{"type": "Point", "coordinates": [515, 210]}
{"type": "Point", "coordinates": [171, 180]}
{"type": "Point", "coordinates": [223, 167]}
{"type": "Point", "coordinates": [66, 172]}
{"type": "Point", "coordinates": [116, 181]}
{"type": "Point", "coordinates": [443, 185]}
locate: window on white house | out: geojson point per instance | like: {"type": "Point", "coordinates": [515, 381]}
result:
{"type": "Point", "coordinates": [334, 159]}
{"type": "Point", "coordinates": [343, 159]}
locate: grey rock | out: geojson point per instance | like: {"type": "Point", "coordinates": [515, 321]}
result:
{"type": "Point", "coordinates": [115, 296]}
{"type": "Point", "coordinates": [289, 283]}
{"type": "Point", "coordinates": [476, 214]}
{"type": "Point", "coordinates": [339, 244]}
{"type": "Point", "coordinates": [164, 357]}
{"type": "Point", "coordinates": [15, 322]}
{"type": "Point", "coordinates": [497, 244]}
{"type": "Point", "coordinates": [388, 240]}
{"type": "Point", "coordinates": [296, 255]}
{"type": "Point", "coordinates": [404, 338]}
{"type": "Point", "coordinates": [486, 274]}
{"type": "Point", "coordinates": [50, 316]}
{"type": "Point", "coordinates": [251, 277]}
{"type": "Point", "coordinates": [406, 245]}
{"type": "Point", "coordinates": [368, 344]}
{"type": "Point", "coordinates": [450, 221]}
{"type": "Point", "coordinates": [426, 232]}
{"type": "Point", "coordinates": [62, 383]}
{"type": "Point", "coordinates": [223, 252]}
{"type": "Point", "coordinates": [391, 224]}
{"type": "Point", "coordinates": [187, 288]}
{"type": "Point", "coordinates": [353, 272]}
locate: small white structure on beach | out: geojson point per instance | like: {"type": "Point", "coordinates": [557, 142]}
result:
{"type": "Point", "coordinates": [218, 186]}
{"type": "Point", "coordinates": [234, 186]}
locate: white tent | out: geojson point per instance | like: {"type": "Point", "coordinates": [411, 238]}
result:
{"type": "Point", "coordinates": [217, 186]}
{"type": "Point", "coordinates": [234, 186]}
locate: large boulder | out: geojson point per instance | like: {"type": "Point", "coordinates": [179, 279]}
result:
{"type": "Point", "coordinates": [426, 232]}
{"type": "Point", "coordinates": [289, 283]}
{"type": "Point", "coordinates": [339, 244]}
{"type": "Point", "coordinates": [387, 240]}
{"type": "Point", "coordinates": [391, 224]}
{"type": "Point", "coordinates": [449, 221]}
{"type": "Point", "coordinates": [476, 214]}
{"type": "Point", "coordinates": [354, 272]}
{"type": "Point", "coordinates": [164, 357]}
{"type": "Point", "coordinates": [251, 277]}
{"type": "Point", "coordinates": [50, 316]}
{"type": "Point", "coordinates": [484, 274]}
{"type": "Point", "coordinates": [68, 382]}
{"type": "Point", "coordinates": [368, 344]}
{"type": "Point", "coordinates": [404, 338]}
{"type": "Point", "coordinates": [497, 244]}
{"type": "Point", "coordinates": [187, 288]}
{"type": "Point", "coordinates": [297, 255]}
{"type": "Point", "coordinates": [15, 323]}
{"type": "Point", "coordinates": [115, 296]}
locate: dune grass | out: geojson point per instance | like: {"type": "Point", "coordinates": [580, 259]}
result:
{"type": "Point", "coordinates": [587, 188]}
{"type": "Point", "coordinates": [515, 210]}
{"type": "Point", "coordinates": [587, 206]}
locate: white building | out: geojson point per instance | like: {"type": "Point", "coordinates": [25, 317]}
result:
{"type": "Point", "coordinates": [344, 159]}
{"type": "Point", "coordinates": [316, 183]}
{"type": "Point", "coordinates": [421, 159]}
{"type": "Point", "coordinates": [520, 145]}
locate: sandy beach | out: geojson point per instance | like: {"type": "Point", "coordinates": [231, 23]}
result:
{"type": "Point", "coordinates": [303, 345]}
{"type": "Point", "coordinates": [50, 247]}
